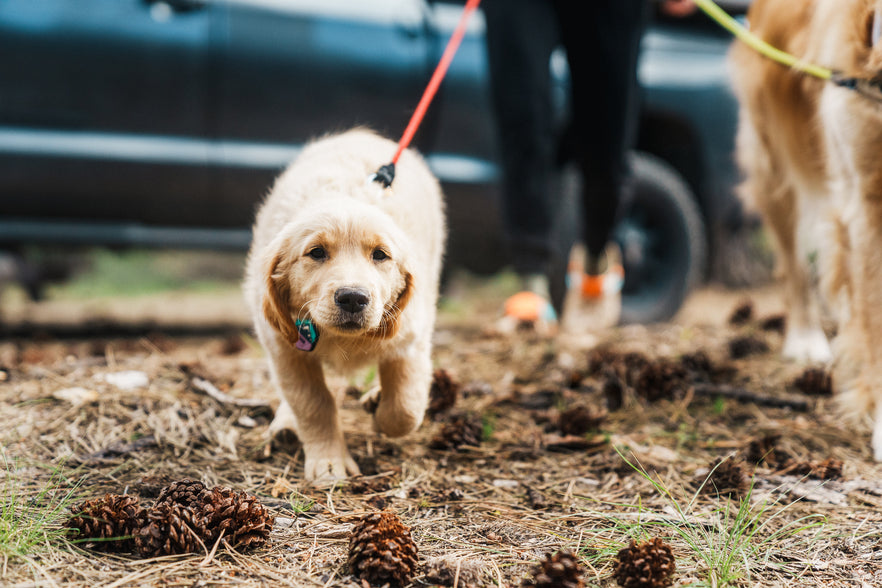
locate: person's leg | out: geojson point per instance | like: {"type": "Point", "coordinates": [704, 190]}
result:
{"type": "Point", "coordinates": [521, 35]}
{"type": "Point", "coordinates": [603, 51]}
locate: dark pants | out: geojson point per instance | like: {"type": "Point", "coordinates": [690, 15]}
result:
{"type": "Point", "coordinates": [602, 39]}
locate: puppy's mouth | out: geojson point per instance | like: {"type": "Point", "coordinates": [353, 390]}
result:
{"type": "Point", "coordinates": [349, 322]}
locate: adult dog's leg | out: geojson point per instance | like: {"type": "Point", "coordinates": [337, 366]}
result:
{"type": "Point", "coordinates": [301, 384]}
{"type": "Point", "coordinates": [768, 187]}
{"type": "Point", "coordinates": [404, 395]}
{"type": "Point", "coordinates": [805, 340]}
{"type": "Point", "coordinates": [866, 320]}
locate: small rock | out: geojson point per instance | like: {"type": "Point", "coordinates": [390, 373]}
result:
{"type": "Point", "coordinates": [127, 380]}
{"type": "Point", "coordinates": [76, 395]}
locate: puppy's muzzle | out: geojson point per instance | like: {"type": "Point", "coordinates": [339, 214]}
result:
{"type": "Point", "coordinates": [352, 300]}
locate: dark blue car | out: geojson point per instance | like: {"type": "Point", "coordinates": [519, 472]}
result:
{"type": "Point", "coordinates": [163, 123]}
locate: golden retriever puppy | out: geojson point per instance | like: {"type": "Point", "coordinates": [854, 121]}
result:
{"type": "Point", "coordinates": [810, 153]}
{"type": "Point", "coordinates": [343, 273]}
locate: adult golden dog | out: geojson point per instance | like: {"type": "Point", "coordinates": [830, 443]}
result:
{"type": "Point", "coordinates": [343, 273]}
{"type": "Point", "coordinates": [810, 151]}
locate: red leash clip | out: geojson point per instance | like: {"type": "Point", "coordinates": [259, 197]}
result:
{"type": "Point", "coordinates": [386, 173]}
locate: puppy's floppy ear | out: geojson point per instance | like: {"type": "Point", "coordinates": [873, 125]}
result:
{"type": "Point", "coordinates": [277, 301]}
{"type": "Point", "coordinates": [389, 325]}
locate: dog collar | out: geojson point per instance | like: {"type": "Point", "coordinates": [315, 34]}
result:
{"type": "Point", "coordinates": [307, 334]}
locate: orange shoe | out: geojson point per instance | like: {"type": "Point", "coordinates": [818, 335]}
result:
{"type": "Point", "coordinates": [592, 302]}
{"type": "Point", "coordinates": [608, 283]}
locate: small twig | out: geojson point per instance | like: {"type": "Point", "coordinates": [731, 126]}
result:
{"type": "Point", "coordinates": [210, 556]}
{"type": "Point", "coordinates": [203, 385]}
{"type": "Point", "coordinates": [743, 395]}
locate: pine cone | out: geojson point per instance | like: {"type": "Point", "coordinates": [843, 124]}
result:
{"type": "Point", "coordinates": [628, 365]}
{"type": "Point", "coordinates": [659, 380]}
{"type": "Point", "coordinates": [184, 492]}
{"type": "Point", "coordinates": [776, 322]}
{"type": "Point", "coordinates": [459, 432]}
{"type": "Point", "coordinates": [741, 347]}
{"type": "Point", "coordinates": [815, 382]}
{"type": "Point", "coordinates": [698, 364]}
{"type": "Point", "coordinates": [647, 565]}
{"type": "Point", "coordinates": [169, 528]}
{"type": "Point", "coordinates": [578, 420]}
{"type": "Point", "coordinates": [106, 524]}
{"type": "Point", "coordinates": [742, 313]}
{"type": "Point", "coordinates": [765, 450]}
{"type": "Point", "coordinates": [559, 570]}
{"type": "Point", "coordinates": [613, 390]}
{"type": "Point", "coordinates": [443, 394]}
{"type": "Point", "coordinates": [381, 550]}
{"type": "Point", "coordinates": [727, 478]}
{"type": "Point", "coordinates": [244, 521]}
{"type": "Point", "coordinates": [828, 469]}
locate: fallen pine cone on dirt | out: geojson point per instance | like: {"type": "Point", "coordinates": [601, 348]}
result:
{"type": "Point", "coordinates": [239, 516]}
{"type": "Point", "coordinates": [663, 379]}
{"type": "Point", "coordinates": [382, 551]}
{"type": "Point", "coordinates": [169, 529]}
{"type": "Point", "coordinates": [727, 478]}
{"type": "Point", "coordinates": [187, 517]}
{"type": "Point", "coordinates": [815, 382]}
{"type": "Point", "coordinates": [627, 365]}
{"type": "Point", "coordinates": [108, 523]}
{"type": "Point", "coordinates": [828, 469]}
{"type": "Point", "coordinates": [742, 313]}
{"type": "Point", "coordinates": [741, 347]}
{"type": "Point", "coordinates": [647, 565]}
{"type": "Point", "coordinates": [558, 570]}
{"type": "Point", "coordinates": [613, 390]}
{"type": "Point", "coordinates": [579, 419]}
{"type": "Point", "coordinates": [765, 451]}
{"type": "Point", "coordinates": [459, 431]}
{"type": "Point", "coordinates": [776, 322]}
{"type": "Point", "coordinates": [442, 394]}
{"type": "Point", "coordinates": [185, 492]}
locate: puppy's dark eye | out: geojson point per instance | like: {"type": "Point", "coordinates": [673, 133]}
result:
{"type": "Point", "coordinates": [379, 255]}
{"type": "Point", "coordinates": [317, 253]}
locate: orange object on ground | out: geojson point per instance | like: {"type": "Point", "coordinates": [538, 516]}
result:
{"type": "Point", "coordinates": [528, 306]}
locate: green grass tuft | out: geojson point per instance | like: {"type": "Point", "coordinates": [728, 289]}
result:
{"type": "Point", "coordinates": [31, 517]}
{"type": "Point", "coordinates": [736, 539]}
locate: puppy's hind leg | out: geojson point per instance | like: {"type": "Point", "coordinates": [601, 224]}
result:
{"type": "Point", "coordinates": [405, 382]}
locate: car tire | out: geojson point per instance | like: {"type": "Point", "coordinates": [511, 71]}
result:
{"type": "Point", "coordinates": [661, 234]}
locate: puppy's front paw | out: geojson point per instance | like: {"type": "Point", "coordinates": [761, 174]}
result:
{"type": "Point", "coordinates": [394, 420]}
{"type": "Point", "coordinates": [327, 464]}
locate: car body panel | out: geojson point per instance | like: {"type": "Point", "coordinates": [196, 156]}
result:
{"type": "Point", "coordinates": [164, 123]}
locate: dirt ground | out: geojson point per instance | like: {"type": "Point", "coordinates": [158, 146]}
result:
{"type": "Point", "coordinates": [127, 410]}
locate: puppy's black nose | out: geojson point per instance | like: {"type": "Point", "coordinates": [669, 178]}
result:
{"type": "Point", "coordinates": [351, 299]}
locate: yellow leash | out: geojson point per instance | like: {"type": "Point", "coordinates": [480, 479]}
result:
{"type": "Point", "coordinates": [867, 88]}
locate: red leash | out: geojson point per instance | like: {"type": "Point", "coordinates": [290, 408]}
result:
{"type": "Point", "coordinates": [386, 174]}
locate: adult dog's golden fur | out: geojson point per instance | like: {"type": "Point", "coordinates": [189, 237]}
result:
{"type": "Point", "coordinates": [363, 264]}
{"type": "Point", "coordinates": [811, 155]}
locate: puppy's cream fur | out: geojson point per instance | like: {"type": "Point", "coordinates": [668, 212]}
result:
{"type": "Point", "coordinates": [326, 229]}
{"type": "Point", "coordinates": [810, 152]}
